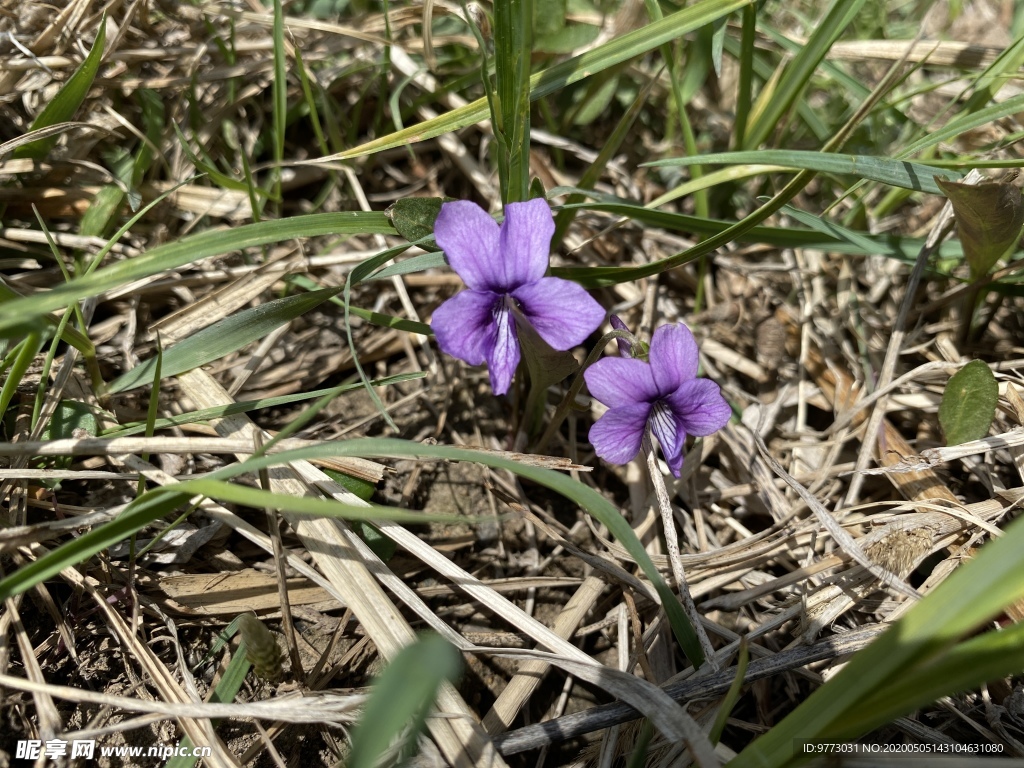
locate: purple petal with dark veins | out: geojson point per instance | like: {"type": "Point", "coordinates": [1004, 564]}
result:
{"type": "Point", "coordinates": [562, 312]}
{"type": "Point", "coordinates": [673, 357]}
{"type": "Point", "coordinates": [616, 436]}
{"type": "Point", "coordinates": [699, 407]}
{"type": "Point", "coordinates": [464, 325]}
{"type": "Point", "coordinates": [619, 381]}
{"type": "Point", "coordinates": [470, 239]}
{"type": "Point", "coordinates": [504, 355]}
{"type": "Point", "coordinates": [670, 433]}
{"type": "Point", "coordinates": [526, 242]}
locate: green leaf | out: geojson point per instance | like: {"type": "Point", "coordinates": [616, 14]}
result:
{"type": "Point", "coordinates": [969, 403]}
{"type": "Point", "coordinates": [69, 416]}
{"type": "Point", "coordinates": [160, 501]}
{"type": "Point", "coordinates": [557, 77]}
{"type": "Point", "coordinates": [361, 488]}
{"type": "Point", "coordinates": [225, 692]}
{"type": "Point", "coordinates": [382, 546]}
{"type": "Point", "coordinates": [920, 648]}
{"type": "Point", "coordinates": [401, 698]}
{"type": "Point", "coordinates": [15, 313]}
{"type": "Point", "coordinates": [989, 217]}
{"type": "Point", "coordinates": [416, 264]}
{"type": "Point", "coordinates": [68, 99]}
{"type": "Point", "coordinates": [773, 103]}
{"type": "Point", "coordinates": [414, 217]}
{"type": "Point", "coordinates": [224, 336]}
{"type": "Point", "coordinates": [896, 173]}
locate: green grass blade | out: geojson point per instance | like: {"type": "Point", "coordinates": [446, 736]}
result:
{"type": "Point", "coordinates": [23, 357]}
{"type": "Point", "coordinates": [513, 26]}
{"type": "Point", "coordinates": [401, 698]}
{"type": "Point", "coordinates": [223, 337]}
{"type": "Point", "coordinates": [227, 689]}
{"type": "Point", "coordinates": [963, 123]}
{"type": "Point", "coordinates": [161, 501]}
{"type": "Point", "coordinates": [989, 656]}
{"type": "Point", "coordinates": [557, 77]}
{"type": "Point", "coordinates": [773, 104]}
{"type": "Point", "coordinates": [245, 406]}
{"type": "Point", "coordinates": [190, 249]}
{"type": "Point", "coordinates": [68, 99]}
{"type": "Point", "coordinates": [977, 592]}
{"type": "Point", "coordinates": [896, 173]}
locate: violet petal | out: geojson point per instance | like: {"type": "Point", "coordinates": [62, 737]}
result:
{"type": "Point", "coordinates": [561, 311]}
{"type": "Point", "coordinates": [504, 355]}
{"type": "Point", "coordinates": [619, 381]}
{"type": "Point", "coordinates": [464, 325]}
{"type": "Point", "coordinates": [526, 242]}
{"type": "Point", "coordinates": [670, 433]}
{"type": "Point", "coordinates": [624, 345]}
{"type": "Point", "coordinates": [699, 407]}
{"type": "Point", "coordinates": [673, 357]}
{"type": "Point", "coordinates": [616, 436]}
{"type": "Point", "coordinates": [470, 239]}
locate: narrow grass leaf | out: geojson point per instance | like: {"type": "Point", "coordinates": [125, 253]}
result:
{"type": "Point", "coordinates": [68, 99]}
{"type": "Point", "coordinates": [226, 690]}
{"type": "Point", "coordinates": [401, 698]}
{"type": "Point", "coordinates": [977, 592]}
{"type": "Point", "coordinates": [557, 77]}
{"type": "Point", "coordinates": [189, 250]}
{"type": "Point", "coordinates": [224, 337]}
{"type": "Point", "coordinates": [419, 263]}
{"type": "Point", "coordinates": [968, 404]}
{"type": "Point", "coordinates": [587, 498]}
{"type": "Point", "coordinates": [771, 107]}
{"type": "Point", "coordinates": [246, 406]}
{"type": "Point", "coordinates": [989, 656]}
{"type": "Point", "coordinates": [896, 173]}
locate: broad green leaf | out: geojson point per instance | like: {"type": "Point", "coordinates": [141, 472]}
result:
{"type": "Point", "coordinates": [13, 314]}
{"type": "Point", "coordinates": [414, 217]}
{"type": "Point", "coordinates": [382, 546]}
{"type": "Point", "coordinates": [897, 173]}
{"type": "Point", "coordinates": [557, 77]}
{"type": "Point", "coordinates": [223, 337]}
{"type": "Point", "coordinates": [401, 698]}
{"type": "Point", "coordinates": [361, 488]}
{"type": "Point", "coordinates": [548, 16]}
{"type": "Point", "coordinates": [969, 403]}
{"type": "Point", "coordinates": [989, 218]}
{"type": "Point", "coordinates": [70, 416]}
{"type": "Point", "coordinates": [68, 99]}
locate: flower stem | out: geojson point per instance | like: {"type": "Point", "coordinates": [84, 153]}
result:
{"type": "Point", "coordinates": [672, 545]}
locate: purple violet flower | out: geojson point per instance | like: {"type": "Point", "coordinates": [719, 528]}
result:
{"type": "Point", "coordinates": [664, 394]}
{"type": "Point", "coordinates": [503, 268]}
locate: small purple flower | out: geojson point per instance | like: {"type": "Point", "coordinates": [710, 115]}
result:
{"type": "Point", "coordinates": [503, 268]}
{"type": "Point", "coordinates": [664, 394]}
